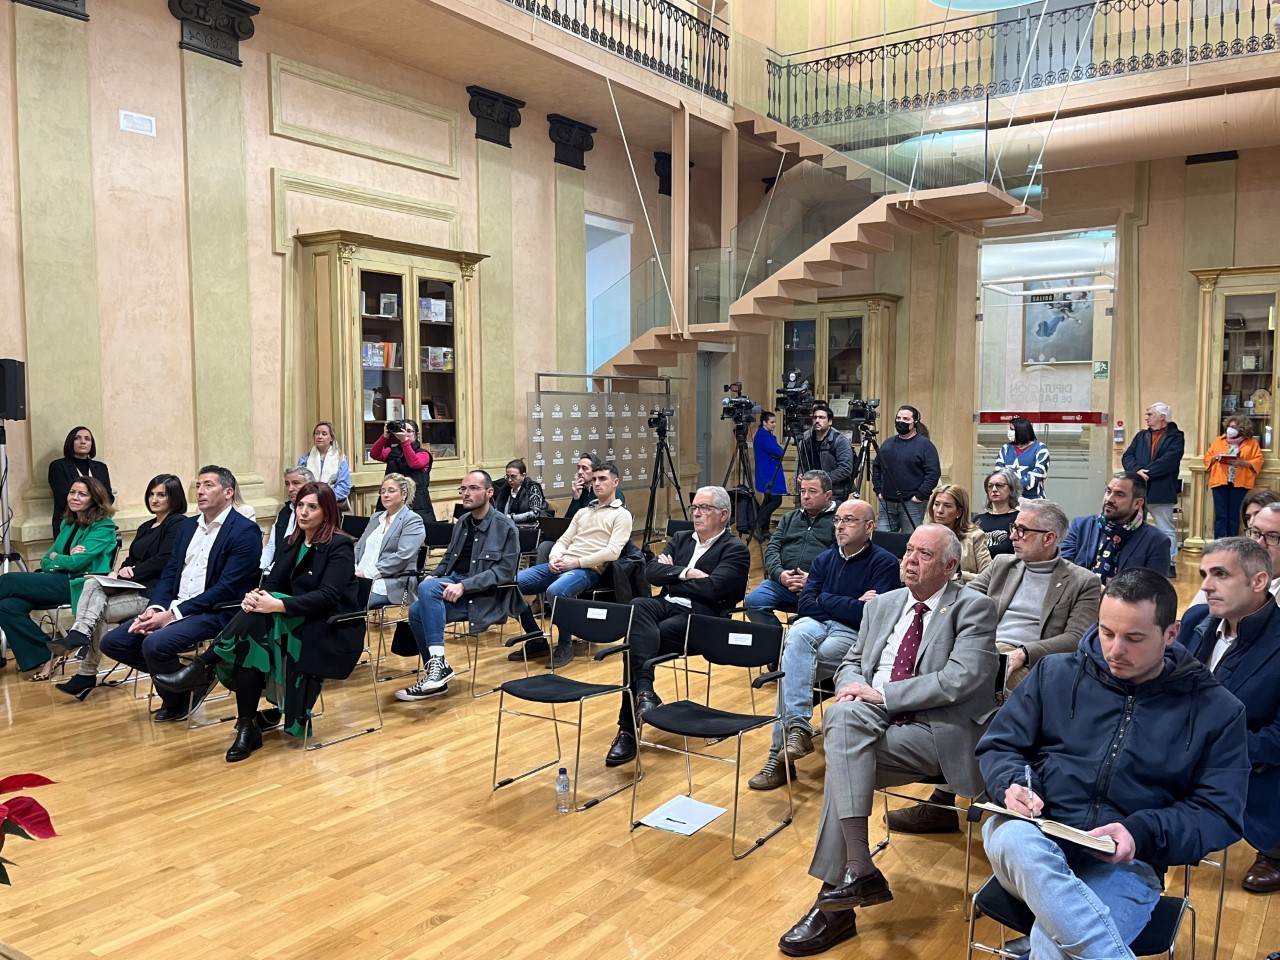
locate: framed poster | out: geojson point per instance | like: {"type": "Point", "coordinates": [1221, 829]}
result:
{"type": "Point", "coordinates": [1057, 324]}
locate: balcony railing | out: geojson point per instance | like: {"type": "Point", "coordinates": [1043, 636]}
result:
{"type": "Point", "coordinates": [656, 34]}
{"type": "Point", "coordinates": [975, 58]}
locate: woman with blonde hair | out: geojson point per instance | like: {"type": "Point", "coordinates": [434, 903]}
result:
{"type": "Point", "coordinates": [388, 549]}
{"type": "Point", "coordinates": [949, 506]}
{"type": "Point", "coordinates": [326, 461]}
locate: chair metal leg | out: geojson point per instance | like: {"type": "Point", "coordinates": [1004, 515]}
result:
{"type": "Point", "coordinates": [307, 743]}
{"type": "Point", "coordinates": [759, 841]}
{"type": "Point", "coordinates": [885, 842]}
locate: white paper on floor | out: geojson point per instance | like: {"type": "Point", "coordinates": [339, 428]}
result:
{"type": "Point", "coordinates": [682, 815]}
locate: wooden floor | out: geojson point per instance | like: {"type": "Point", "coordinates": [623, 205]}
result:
{"type": "Point", "coordinates": [394, 845]}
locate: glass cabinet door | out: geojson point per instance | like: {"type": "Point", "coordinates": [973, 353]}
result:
{"type": "Point", "coordinates": [844, 358]}
{"type": "Point", "coordinates": [1248, 363]}
{"type": "Point", "coordinates": [799, 351]}
{"type": "Point", "coordinates": [382, 354]}
{"type": "Point", "coordinates": [437, 366]}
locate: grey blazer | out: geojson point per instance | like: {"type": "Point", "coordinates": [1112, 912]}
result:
{"type": "Point", "coordinates": [954, 686]}
{"type": "Point", "coordinates": [399, 553]}
{"type": "Point", "coordinates": [1070, 605]}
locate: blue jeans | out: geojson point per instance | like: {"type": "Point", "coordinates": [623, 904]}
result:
{"type": "Point", "coordinates": [1227, 501]}
{"type": "Point", "coordinates": [541, 579]}
{"type": "Point", "coordinates": [813, 652]}
{"type": "Point", "coordinates": [764, 599]}
{"type": "Point", "coordinates": [900, 516]}
{"type": "Point", "coordinates": [429, 613]}
{"type": "Point", "coordinates": [1083, 906]}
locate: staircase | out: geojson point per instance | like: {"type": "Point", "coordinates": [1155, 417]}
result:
{"type": "Point", "coordinates": [968, 208]}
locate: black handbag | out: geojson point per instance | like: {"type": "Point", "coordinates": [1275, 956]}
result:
{"type": "Point", "coordinates": [402, 642]}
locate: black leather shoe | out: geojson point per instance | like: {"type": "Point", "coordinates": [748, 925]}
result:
{"type": "Point", "coordinates": [646, 700]}
{"type": "Point", "coordinates": [817, 932]}
{"type": "Point", "coordinates": [622, 750]}
{"type": "Point", "coordinates": [248, 739]}
{"type": "Point", "coordinates": [191, 677]}
{"type": "Point", "coordinates": [79, 686]}
{"type": "Point", "coordinates": [534, 648]}
{"type": "Point", "coordinates": [268, 719]}
{"type": "Point", "coordinates": [168, 714]}
{"type": "Point", "coordinates": [854, 891]}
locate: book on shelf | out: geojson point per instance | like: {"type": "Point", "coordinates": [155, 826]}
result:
{"type": "Point", "coordinates": [433, 310]}
{"type": "Point", "coordinates": [1052, 828]}
{"type": "Point", "coordinates": [381, 355]}
{"type": "Point", "coordinates": [368, 404]}
{"type": "Point", "coordinates": [389, 304]}
{"type": "Point", "coordinates": [435, 359]}
{"type": "Point", "coordinates": [395, 408]}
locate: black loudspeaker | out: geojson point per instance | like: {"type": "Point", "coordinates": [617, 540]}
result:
{"type": "Point", "coordinates": [13, 390]}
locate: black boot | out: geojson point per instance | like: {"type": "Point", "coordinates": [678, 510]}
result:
{"type": "Point", "coordinates": [194, 676]}
{"type": "Point", "coordinates": [248, 739]}
{"type": "Point", "coordinates": [79, 686]}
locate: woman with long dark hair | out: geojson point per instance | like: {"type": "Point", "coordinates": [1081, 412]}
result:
{"type": "Point", "coordinates": [403, 454]}
{"type": "Point", "coordinates": [1027, 456]}
{"type": "Point", "coordinates": [281, 643]}
{"type": "Point", "coordinates": [84, 544]}
{"type": "Point", "coordinates": [78, 453]}
{"type": "Point", "coordinates": [102, 605]}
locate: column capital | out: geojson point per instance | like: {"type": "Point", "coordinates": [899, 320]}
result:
{"type": "Point", "coordinates": [496, 115]}
{"type": "Point", "coordinates": [572, 139]}
{"type": "Point", "coordinates": [662, 167]}
{"type": "Point", "coordinates": [68, 8]}
{"type": "Point", "coordinates": [214, 28]}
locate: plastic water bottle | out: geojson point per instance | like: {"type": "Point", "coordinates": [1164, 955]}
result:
{"type": "Point", "coordinates": [562, 791]}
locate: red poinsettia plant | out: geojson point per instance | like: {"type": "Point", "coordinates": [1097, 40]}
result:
{"type": "Point", "coordinates": [22, 816]}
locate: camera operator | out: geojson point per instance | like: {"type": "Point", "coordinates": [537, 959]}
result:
{"type": "Point", "coordinates": [771, 479]}
{"type": "Point", "coordinates": [399, 449]}
{"type": "Point", "coordinates": [829, 450]}
{"type": "Point", "coordinates": [905, 473]}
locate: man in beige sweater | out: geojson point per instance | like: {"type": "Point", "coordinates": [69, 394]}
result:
{"type": "Point", "coordinates": [595, 538]}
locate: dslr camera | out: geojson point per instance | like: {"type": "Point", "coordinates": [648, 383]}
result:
{"type": "Point", "coordinates": [396, 426]}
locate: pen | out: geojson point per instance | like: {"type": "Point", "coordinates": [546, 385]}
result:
{"type": "Point", "coordinates": [1026, 769]}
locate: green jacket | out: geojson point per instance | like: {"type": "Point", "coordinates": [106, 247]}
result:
{"type": "Point", "coordinates": [798, 540]}
{"type": "Point", "coordinates": [99, 542]}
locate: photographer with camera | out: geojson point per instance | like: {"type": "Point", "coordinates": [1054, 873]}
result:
{"type": "Point", "coordinates": [771, 479]}
{"type": "Point", "coordinates": [399, 449]}
{"type": "Point", "coordinates": [905, 473]}
{"type": "Point", "coordinates": [828, 450]}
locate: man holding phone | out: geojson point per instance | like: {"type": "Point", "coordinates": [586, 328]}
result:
{"type": "Point", "coordinates": [1130, 738]}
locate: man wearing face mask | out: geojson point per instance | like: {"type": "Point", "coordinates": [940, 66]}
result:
{"type": "Point", "coordinates": [905, 473]}
{"type": "Point", "coordinates": [829, 450]}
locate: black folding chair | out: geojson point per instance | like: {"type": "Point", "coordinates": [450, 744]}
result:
{"type": "Point", "coordinates": [351, 621]}
{"type": "Point", "coordinates": [729, 643]}
{"type": "Point", "coordinates": [353, 525]}
{"type": "Point", "coordinates": [895, 543]}
{"type": "Point", "coordinates": [595, 622]}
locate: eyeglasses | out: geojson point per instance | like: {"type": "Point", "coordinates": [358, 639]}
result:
{"type": "Point", "coordinates": [997, 486]}
{"type": "Point", "coordinates": [1269, 538]}
{"type": "Point", "coordinates": [1018, 530]}
{"type": "Point", "coordinates": [471, 489]}
{"type": "Point", "coordinates": [842, 521]}
{"type": "Point", "coordinates": [703, 508]}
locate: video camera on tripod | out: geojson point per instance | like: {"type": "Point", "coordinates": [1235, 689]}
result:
{"type": "Point", "coordinates": [795, 403]}
{"type": "Point", "coordinates": [862, 416]}
{"type": "Point", "coordinates": [658, 420]}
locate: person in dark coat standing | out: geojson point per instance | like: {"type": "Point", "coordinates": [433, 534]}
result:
{"type": "Point", "coordinates": [1236, 634]}
{"type": "Point", "coordinates": [905, 473]}
{"type": "Point", "coordinates": [77, 460]}
{"type": "Point", "coordinates": [1156, 455]}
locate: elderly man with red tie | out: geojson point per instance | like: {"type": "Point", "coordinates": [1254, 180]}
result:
{"type": "Point", "coordinates": [912, 700]}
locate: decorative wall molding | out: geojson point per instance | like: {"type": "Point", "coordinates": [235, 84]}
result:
{"type": "Point", "coordinates": [214, 28]}
{"type": "Point", "coordinates": [68, 8]}
{"type": "Point", "coordinates": [283, 68]}
{"type": "Point", "coordinates": [496, 114]}
{"type": "Point", "coordinates": [285, 182]}
{"type": "Point", "coordinates": [572, 139]}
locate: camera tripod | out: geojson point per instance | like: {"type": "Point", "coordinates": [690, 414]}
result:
{"type": "Point", "coordinates": [742, 489]}
{"type": "Point", "coordinates": [664, 468]}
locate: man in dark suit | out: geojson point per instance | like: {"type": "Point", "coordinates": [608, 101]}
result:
{"type": "Point", "coordinates": [701, 572]}
{"type": "Point", "coordinates": [912, 698]}
{"type": "Point", "coordinates": [1044, 605]}
{"type": "Point", "coordinates": [1236, 634]}
{"type": "Point", "coordinates": [1120, 536]}
{"type": "Point", "coordinates": [214, 562]}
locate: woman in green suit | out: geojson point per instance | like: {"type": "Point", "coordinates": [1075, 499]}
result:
{"type": "Point", "coordinates": [84, 544]}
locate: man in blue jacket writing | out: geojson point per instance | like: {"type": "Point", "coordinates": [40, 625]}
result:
{"type": "Point", "coordinates": [1131, 738]}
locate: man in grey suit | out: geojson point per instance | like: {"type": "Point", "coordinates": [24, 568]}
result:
{"type": "Point", "coordinates": [1044, 605]}
{"type": "Point", "coordinates": [912, 699]}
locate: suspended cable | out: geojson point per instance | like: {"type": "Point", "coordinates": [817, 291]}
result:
{"type": "Point", "coordinates": [759, 233]}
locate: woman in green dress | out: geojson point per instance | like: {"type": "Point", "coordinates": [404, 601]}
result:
{"type": "Point", "coordinates": [281, 643]}
{"type": "Point", "coordinates": [85, 542]}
